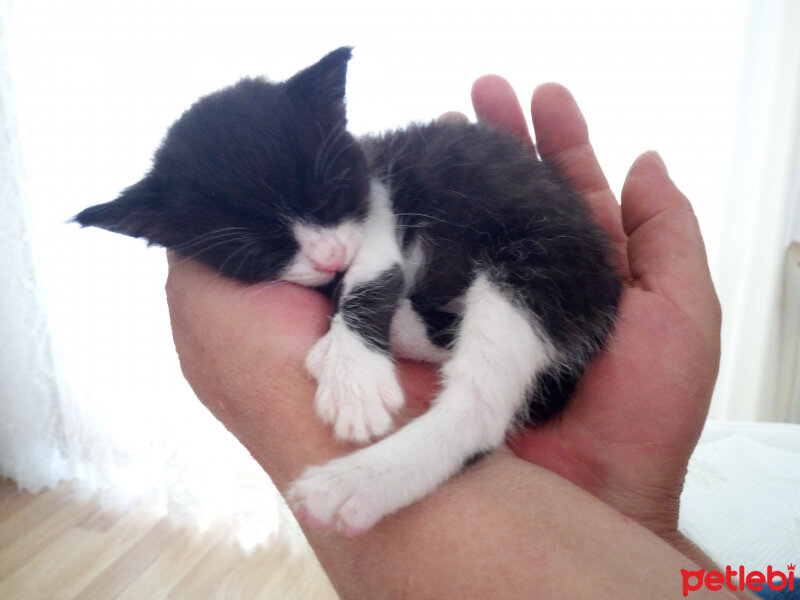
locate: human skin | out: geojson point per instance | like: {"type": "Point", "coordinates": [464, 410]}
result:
{"type": "Point", "coordinates": [583, 507]}
{"type": "Point", "coordinates": [629, 431]}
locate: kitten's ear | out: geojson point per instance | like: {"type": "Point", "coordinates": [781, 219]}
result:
{"type": "Point", "coordinates": [138, 212]}
{"type": "Point", "coordinates": [323, 83]}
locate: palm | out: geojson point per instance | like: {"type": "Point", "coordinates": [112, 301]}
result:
{"type": "Point", "coordinates": [628, 433]}
{"type": "Point", "coordinates": [636, 416]}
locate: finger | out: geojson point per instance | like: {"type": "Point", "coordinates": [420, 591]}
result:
{"type": "Point", "coordinates": [562, 137]}
{"type": "Point", "coordinates": [496, 103]}
{"type": "Point", "coordinates": [665, 248]}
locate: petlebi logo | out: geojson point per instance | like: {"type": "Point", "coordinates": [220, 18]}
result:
{"type": "Point", "coordinates": [754, 581]}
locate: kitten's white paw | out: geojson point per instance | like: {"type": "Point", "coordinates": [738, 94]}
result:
{"type": "Point", "coordinates": [357, 388]}
{"type": "Point", "coordinates": [342, 495]}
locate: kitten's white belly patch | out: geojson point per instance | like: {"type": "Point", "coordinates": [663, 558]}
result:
{"type": "Point", "coordinates": [408, 337]}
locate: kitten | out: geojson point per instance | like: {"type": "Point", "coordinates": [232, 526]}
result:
{"type": "Point", "coordinates": [456, 246]}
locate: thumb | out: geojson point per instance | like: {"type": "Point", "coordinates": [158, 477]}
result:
{"type": "Point", "coordinates": [665, 247]}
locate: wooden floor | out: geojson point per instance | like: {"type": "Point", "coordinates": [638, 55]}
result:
{"type": "Point", "coordinates": [53, 547]}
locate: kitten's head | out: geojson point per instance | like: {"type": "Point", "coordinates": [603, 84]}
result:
{"type": "Point", "coordinates": [259, 180]}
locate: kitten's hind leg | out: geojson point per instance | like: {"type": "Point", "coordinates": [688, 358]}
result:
{"type": "Point", "coordinates": [497, 356]}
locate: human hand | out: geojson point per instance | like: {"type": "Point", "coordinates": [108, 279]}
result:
{"type": "Point", "coordinates": [242, 348]}
{"type": "Point", "coordinates": [628, 432]}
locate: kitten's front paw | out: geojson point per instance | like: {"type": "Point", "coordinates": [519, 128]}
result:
{"type": "Point", "coordinates": [340, 495]}
{"type": "Point", "coordinates": [357, 388]}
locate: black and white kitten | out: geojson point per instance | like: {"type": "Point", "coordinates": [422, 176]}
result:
{"type": "Point", "coordinates": [457, 247]}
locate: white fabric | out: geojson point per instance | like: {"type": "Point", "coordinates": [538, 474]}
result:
{"type": "Point", "coordinates": [29, 442]}
{"type": "Point", "coordinates": [98, 399]}
{"type": "Point", "coordinates": [741, 502]}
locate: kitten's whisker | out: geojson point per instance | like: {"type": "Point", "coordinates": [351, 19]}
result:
{"type": "Point", "coordinates": [332, 161]}
{"type": "Point", "coordinates": [343, 180]}
{"type": "Point", "coordinates": [322, 147]}
{"type": "Point", "coordinates": [425, 216]}
{"type": "Point", "coordinates": [328, 143]}
{"type": "Point", "coordinates": [343, 174]}
{"type": "Point", "coordinates": [210, 235]}
{"type": "Point", "coordinates": [248, 249]}
{"type": "Point", "coordinates": [229, 240]}
{"type": "Point", "coordinates": [217, 231]}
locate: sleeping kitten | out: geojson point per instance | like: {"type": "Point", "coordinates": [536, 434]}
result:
{"type": "Point", "coordinates": [456, 246]}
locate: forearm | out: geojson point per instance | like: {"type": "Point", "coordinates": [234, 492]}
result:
{"type": "Point", "coordinates": [692, 551]}
{"type": "Point", "coordinates": [504, 529]}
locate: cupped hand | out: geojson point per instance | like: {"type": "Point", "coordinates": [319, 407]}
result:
{"type": "Point", "coordinates": [628, 432]}
{"type": "Point", "coordinates": [508, 525]}
{"type": "Point", "coordinates": [627, 435]}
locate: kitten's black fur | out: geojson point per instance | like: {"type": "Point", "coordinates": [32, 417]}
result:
{"type": "Point", "coordinates": [482, 203]}
{"type": "Point", "coordinates": [244, 163]}
{"type": "Point", "coordinates": [459, 225]}
{"type": "Point", "coordinates": [240, 165]}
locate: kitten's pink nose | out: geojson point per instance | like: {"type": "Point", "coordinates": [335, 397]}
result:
{"type": "Point", "coordinates": [327, 254]}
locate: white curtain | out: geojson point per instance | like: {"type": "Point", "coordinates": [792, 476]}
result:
{"type": "Point", "coordinates": [90, 388]}
{"type": "Point", "coordinates": [30, 439]}
{"type": "Point", "coordinates": [755, 278]}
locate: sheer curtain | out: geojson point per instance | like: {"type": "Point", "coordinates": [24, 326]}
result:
{"type": "Point", "coordinates": [754, 275]}
{"type": "Point", "coordinates": [30, 438]}
{"type": "Point", "coordinates": [90, 388]}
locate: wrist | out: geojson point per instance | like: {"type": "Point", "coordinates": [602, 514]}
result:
{"type": "Point", "coordinates": [523, 526]}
